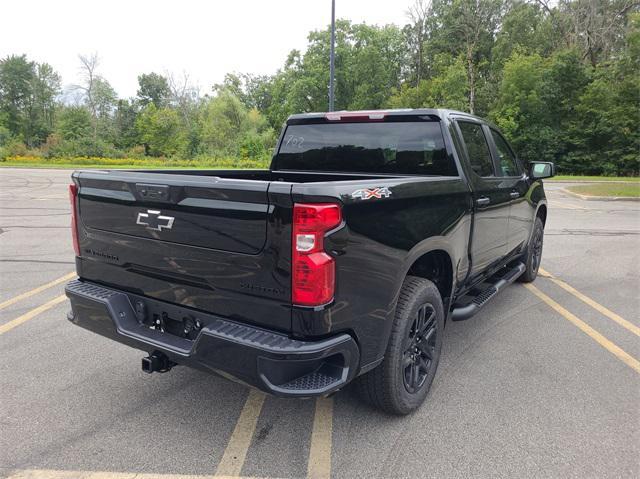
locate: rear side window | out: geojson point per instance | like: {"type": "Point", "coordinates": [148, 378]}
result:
{"type": "Point", "coordinates": [387, 147]}
{"type": "Point", "coordinates": [477, 147]}
{"type": "Point", "coordinates": [508, 164]}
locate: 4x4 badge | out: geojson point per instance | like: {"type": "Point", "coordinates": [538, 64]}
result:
{"type": "Point", "coordinates": [367, 193]}
{"type": "Point", "coordinates": [153, 220]}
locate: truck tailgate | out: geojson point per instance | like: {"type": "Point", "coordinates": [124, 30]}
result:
{"type": "Point", "coordinates": [220, 245]}
{"type": "Point", "coordinates": [206, 212]}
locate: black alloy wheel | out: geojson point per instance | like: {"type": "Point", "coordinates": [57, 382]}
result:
{"type": "Point", "coordinates": [401, 382]}
{"type": "Point", "coordinates": [421, 343]}
{"type": "Point", "coordinates": [536, 253]}
{"type": "Point", "coordinates": [533, 254]}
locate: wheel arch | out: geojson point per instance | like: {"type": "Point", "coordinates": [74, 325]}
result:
{"type": "Point", "coordinates": [436, 265]}
{"type": "Point", "coordinates": [542, 213]}
{"type": "Point", "coordinates": [417, 263]}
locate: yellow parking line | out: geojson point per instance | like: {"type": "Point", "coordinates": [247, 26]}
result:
{"type": "Point", "coordinates": [236, 451]}
{"type": "Point", "coordinates": [31, 314]}
{"type": "Point", "coordinates": [597, 306]}
{"type": "Point", "coordinates": [319, 466]}
{"type": "Point", "coordinates": [614, 349]}
{"type": "Point", "coordinates": [37, 290]}
{"type": "Point", "coordinates": [54, 474]}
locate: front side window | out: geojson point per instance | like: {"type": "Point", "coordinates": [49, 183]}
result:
{"type": "Point", "coordinates": [477, 147]}
{"type": "Point", "coordinates": [508, 164]}
{"type": "Point", "coordinates": [404, 147]}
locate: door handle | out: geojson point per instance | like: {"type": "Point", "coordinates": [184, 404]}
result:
{"type": "Point", "coordinates": [514, 194]}
{"type": "Point", "coordinates": [484, 201]}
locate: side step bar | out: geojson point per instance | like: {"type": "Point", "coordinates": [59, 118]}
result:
{"type": "Point", "coordinates": [461, 313]}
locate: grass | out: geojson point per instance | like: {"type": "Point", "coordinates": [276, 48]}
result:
{"type": "Point", "coordinates": [621, 190]}
{"type": "Point", "coordinates": [128, 163]}
{"type": "Point", "coordinates": [631, 179]}
{"type": "Point", "coordinates": [203, 163]}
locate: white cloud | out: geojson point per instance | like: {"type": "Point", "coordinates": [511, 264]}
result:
{"type": "Point", "coordinates": [203, 38]}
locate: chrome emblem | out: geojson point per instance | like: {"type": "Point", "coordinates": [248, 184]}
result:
{"type": "Point", "coordinates": [153, 220]}
{"type": "Point", "coordinates": [367, 193]}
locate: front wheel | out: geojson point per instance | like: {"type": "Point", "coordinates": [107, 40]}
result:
{"type": "Point", "coordinates": [401, 382]}
{"type": "Point", "coordinates": [533, 256]}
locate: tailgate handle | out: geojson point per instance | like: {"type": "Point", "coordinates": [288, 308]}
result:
{"type": "Point", "coordinates": [153, 192]}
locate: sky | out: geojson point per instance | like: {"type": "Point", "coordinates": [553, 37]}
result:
{"type": "Point", "coordinates": [205, 38]}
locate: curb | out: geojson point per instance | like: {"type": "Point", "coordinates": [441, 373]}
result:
{"type": "Point", "coordinates": [598, 198]}
{"type": "Point", "coordinates": [553, 180]}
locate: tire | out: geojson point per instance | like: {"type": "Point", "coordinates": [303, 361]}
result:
{"type": "Point", "coordinates": [533, 256]}
{"type": "Point", "coordinates": [400, 384]}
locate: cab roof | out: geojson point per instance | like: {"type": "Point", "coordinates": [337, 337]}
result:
{"type": "Point", "coordinates": [436, 113]}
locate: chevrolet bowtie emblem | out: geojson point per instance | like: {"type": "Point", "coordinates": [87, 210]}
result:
{"type": "Point", "coordinates": [153, 220]}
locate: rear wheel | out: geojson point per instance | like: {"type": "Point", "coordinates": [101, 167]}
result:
{"type": "Point", "coordinates": [401, 382]}
{"type": "Point", "coordinates": [533, 256]}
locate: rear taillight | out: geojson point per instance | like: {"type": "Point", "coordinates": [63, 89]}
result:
{"type": "Point", "coordinates": [313, 269]}
{"type": "Point", "coordinates": [73, 197]}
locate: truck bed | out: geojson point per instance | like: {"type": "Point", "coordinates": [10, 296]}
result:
{"type": "Point", "coordinates": [269, 175]}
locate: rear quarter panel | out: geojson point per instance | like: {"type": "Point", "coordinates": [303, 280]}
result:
{"type": "Point", "coordinates": [376, 245]}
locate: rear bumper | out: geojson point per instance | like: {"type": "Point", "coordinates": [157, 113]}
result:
{"type": "Point", "coordinates": [270, 361]}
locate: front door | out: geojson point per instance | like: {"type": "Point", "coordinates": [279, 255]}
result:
{"type": "Point", "coordinates": [513, 177]}
{"type": "Point", "coordinates": [491, 199]}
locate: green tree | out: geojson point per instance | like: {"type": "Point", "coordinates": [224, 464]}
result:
{"type": "Point", "coordinates": [522, 112]}
{"type": "Point", "coordinates": [446, 88]}
{"type": "Point", "coordinates": [604, 137]}
{"type": "Point", "coordinates": [560, 78]}
{"type": "Point", "coordinates": [124, 122]}
{"type": "Point", "coordinates": [254, 91]}
{"type": "Point", "coordinates": [99, 97]}
{"type": "Point", "coordinates": [369, 61]}
{"type": "Point", "coordinates": [537, 103]}
{"type": "Point", "coordinates": [415, 36]}
{"type": "Point", "coordinates": [16, 81]}
{"type": "Point", "coordinates": [74, 123]}
{"type": "Point", "coordinates": [27, 98]}
{"type": "Point", "coordinates": [42, 104]}
{"type": "Point", "coordinates": [524, 28]}
{"type": "Point", "coordinates": [161, 131]}
{"type": "Point", "coordinates": [596, 28]}
{"type": "Point", "coordinates": [228, 128]}
{"type": "Point", "coordinates": [153, 88]}
{"type": "Point", "coordinates": [466, 27]}
{"type": "Point", "coordinates": [284, 103]}
{"type": "Point", "coordinates": [222, 119]}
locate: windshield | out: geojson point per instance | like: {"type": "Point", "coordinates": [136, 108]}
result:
{"type": "Point", "coordinates": [386, 147]}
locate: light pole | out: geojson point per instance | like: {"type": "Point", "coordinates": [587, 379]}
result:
{"type": "Point", "coordinates": [332, 53]}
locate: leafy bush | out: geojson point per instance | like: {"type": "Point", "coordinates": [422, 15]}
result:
{"type": "Point", "coordinates": [102, 162]}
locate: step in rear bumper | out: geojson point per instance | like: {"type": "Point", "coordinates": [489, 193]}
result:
{"type": "Point", "coordinates": [268, 360]}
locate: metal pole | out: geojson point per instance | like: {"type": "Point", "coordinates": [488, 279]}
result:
{"type": "Point", "coordinates": [333, 53]}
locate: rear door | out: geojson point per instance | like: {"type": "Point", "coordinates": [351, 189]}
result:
{"type": "Point", "coordinates": [490, 194]}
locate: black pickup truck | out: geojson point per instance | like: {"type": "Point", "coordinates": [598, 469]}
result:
{"type": "Point", "coordinates": [342, 261]}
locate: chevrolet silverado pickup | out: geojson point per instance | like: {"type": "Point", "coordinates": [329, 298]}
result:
{"type": "Point", "coordinates": [343, 261]}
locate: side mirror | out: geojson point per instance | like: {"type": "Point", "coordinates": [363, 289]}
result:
{"type": "Point", "coordinates": [541, 169]}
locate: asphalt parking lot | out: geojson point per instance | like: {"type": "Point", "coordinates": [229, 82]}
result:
{"type": "Point", "coordinates": [544, 382]}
